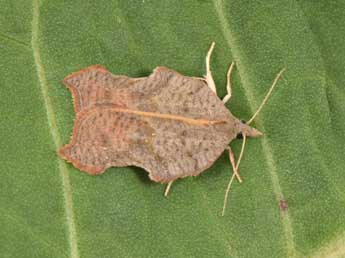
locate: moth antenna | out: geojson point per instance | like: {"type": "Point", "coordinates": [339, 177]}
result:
{"type": "Point", "coordinates": [233, 175]}
{"type": "Point", "coordinates": [244, 138]}
{"type": "Point", "coordinates": [227, 193]}
{"type": "Point", "coordinates": [266, 97]}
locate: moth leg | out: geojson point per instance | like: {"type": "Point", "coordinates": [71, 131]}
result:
{"type": "Point", "coordinates": [233, 164]}
{"type": "Point", "coordinates": [168, 188]}
{"type": "Point", "coordinates": [228, 83]}
{"type": "Point", "coordinates": [208, 76]}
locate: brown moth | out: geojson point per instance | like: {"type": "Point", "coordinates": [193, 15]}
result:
{"type": "Point", "coordinates": [171, 125]}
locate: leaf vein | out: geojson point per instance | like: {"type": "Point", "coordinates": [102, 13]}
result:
{"type": "Point", "coordinates": [14, 40]}
{"type": "Point", "coordinates": [67, 191]}
{"type": "Point", "coordinates": [230, 39]}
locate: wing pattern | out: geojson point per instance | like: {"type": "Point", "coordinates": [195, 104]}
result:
{"type": "Point", "coordinates": [155, 122]}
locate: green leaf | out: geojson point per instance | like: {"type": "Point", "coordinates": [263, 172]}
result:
{"type": "Point", "coordinates": [50, 209]}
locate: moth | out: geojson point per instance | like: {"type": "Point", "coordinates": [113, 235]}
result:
{"type": "Point", "coordinates": [171, 125]}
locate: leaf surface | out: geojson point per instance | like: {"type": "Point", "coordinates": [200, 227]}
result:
{"type": "Point", "coordinates": [50, 209]}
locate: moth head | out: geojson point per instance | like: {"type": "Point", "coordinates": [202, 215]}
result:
{"type": "Point", "coordinates": [248, 131]}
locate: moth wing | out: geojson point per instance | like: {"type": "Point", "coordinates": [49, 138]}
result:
{"type": "Point", "coordinates": [177, 149]}
{"type": "Point", "coordinates": [165, 91]}
{"type": "Point", "coordinates": [103, 137]}
{"type": "Point", "coordinates": [166, 148]}
{"type": "Point", "coordinates": [187, 96]}
{"type": "Point", "coordinates": [96, 86]}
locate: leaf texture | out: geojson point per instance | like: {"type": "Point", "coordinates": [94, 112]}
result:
{"type": "Point", "coordinates": [50, 209]}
